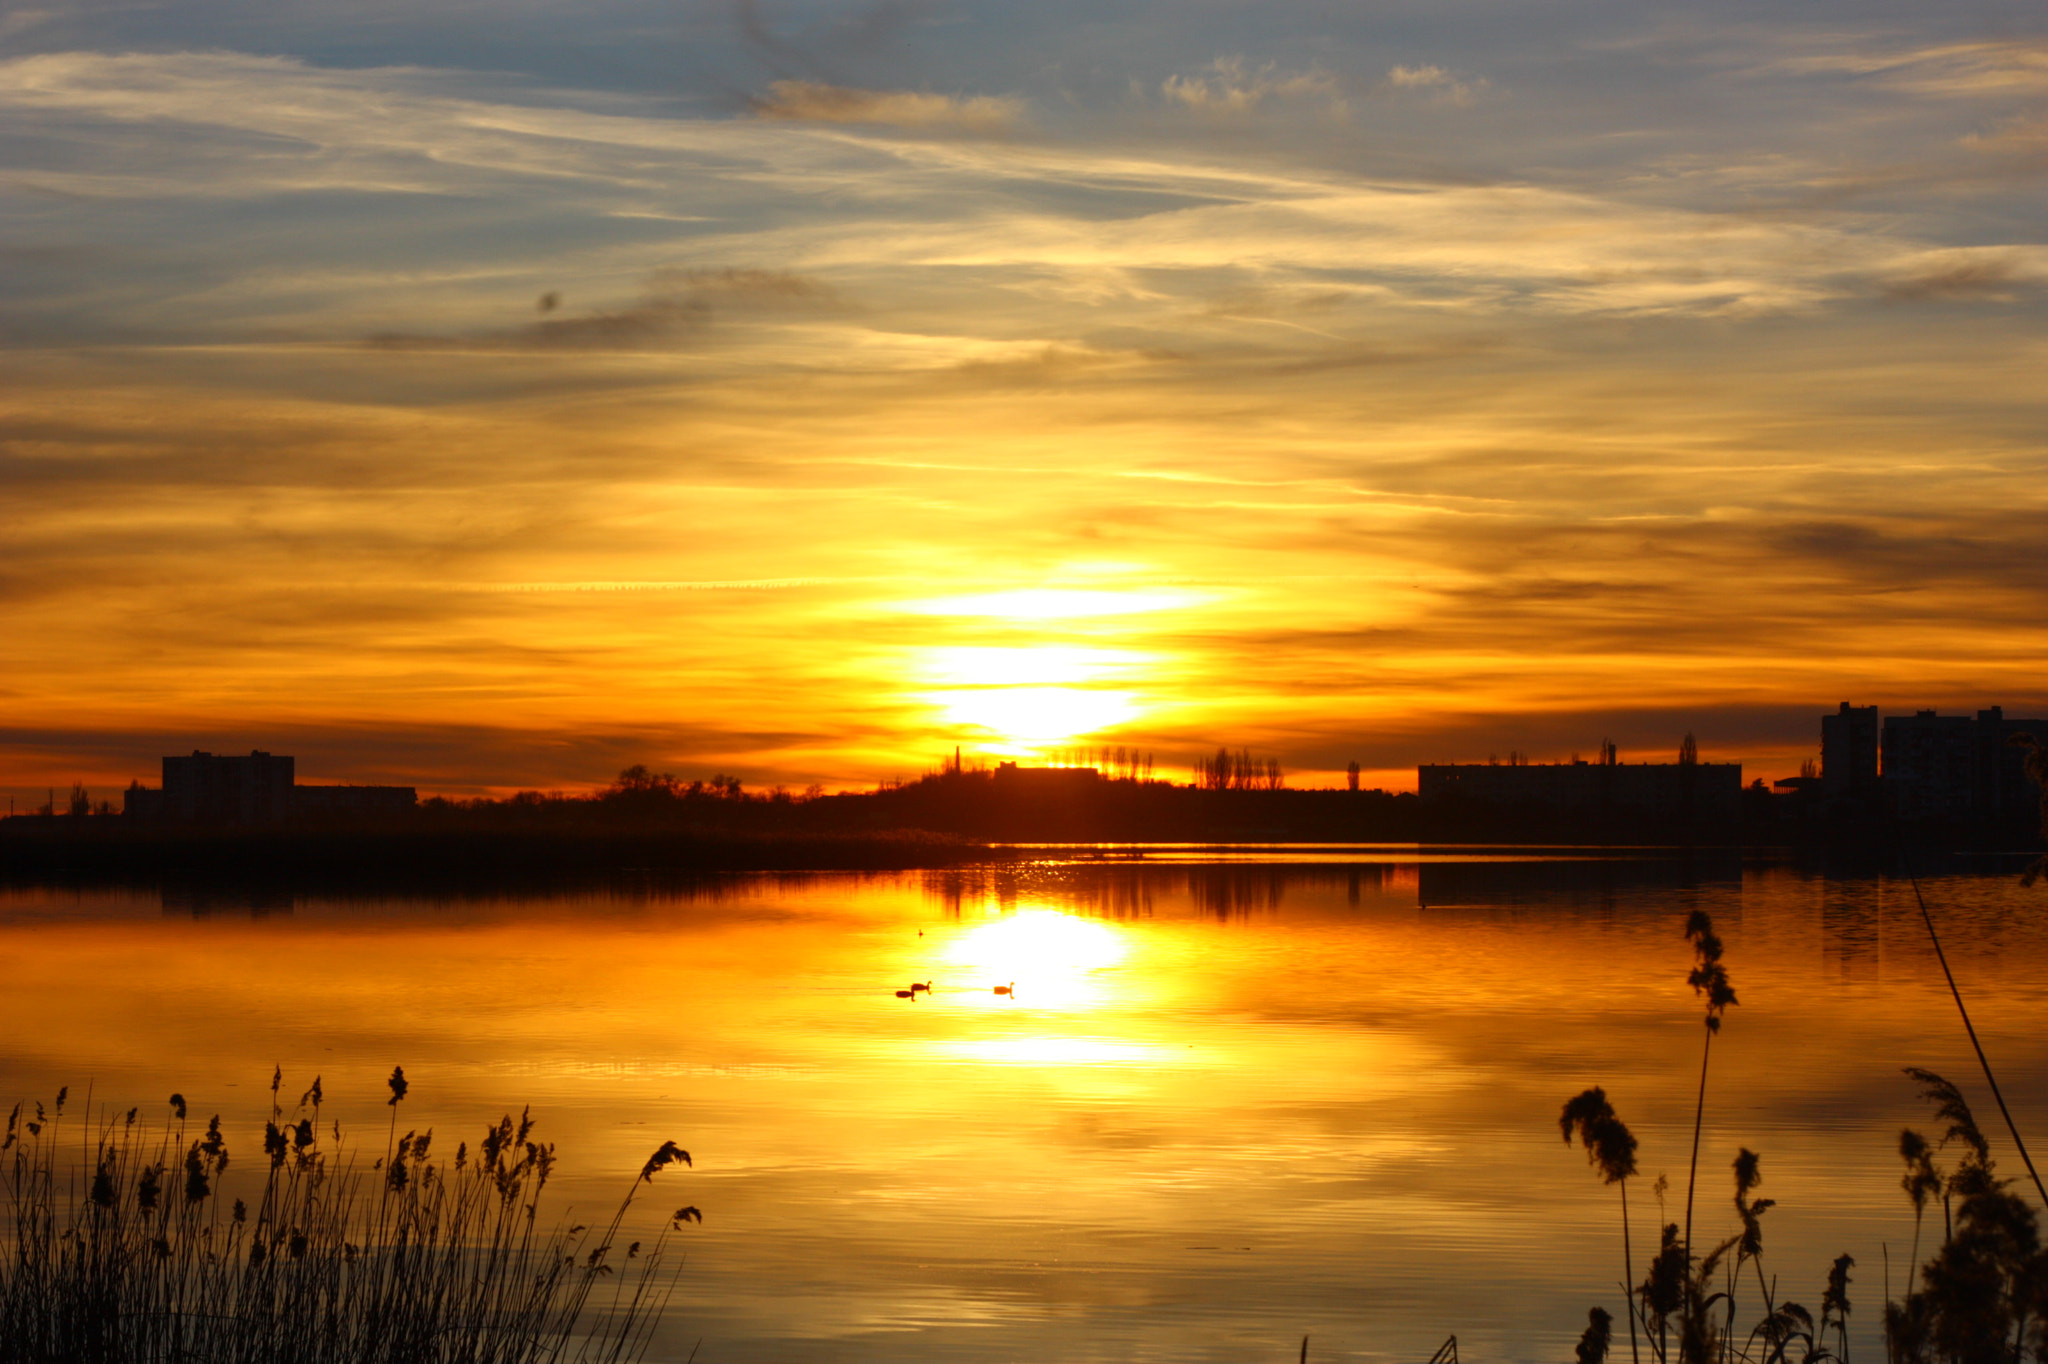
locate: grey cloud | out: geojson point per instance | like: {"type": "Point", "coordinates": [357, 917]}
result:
{"type": "Point", "coordinates": [1679, 571]}
{"type": "Point", "coordinates": [1971, 276]}
{"type": "Point", "coordinates": [676, 306]}
{"type": "Point", "coordinates": [1646, 731]}
{"type": "Point", "coordinates": [451, 759]}
{"type": "Point", "coordinates": [1999, 548]}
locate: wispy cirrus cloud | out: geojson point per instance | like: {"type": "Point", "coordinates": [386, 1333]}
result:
{"type": "Point", "coordinates": [2015, 66]}
{"type": "Point", "coordinates": [1065, 218]}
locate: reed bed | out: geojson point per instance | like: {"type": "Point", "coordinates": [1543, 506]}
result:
{"type": "Point", "coordinates": [124, 1245]}
{"type": "Point", "coordinates": [1980, 1298]}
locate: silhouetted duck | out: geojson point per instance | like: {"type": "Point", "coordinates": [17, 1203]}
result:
{"type": "Point", "coordinates": [906, 994]}
{"type": "Point", "coordinates": [915, 987]}
{"type": "Point", "coordinates": [1010, 989]}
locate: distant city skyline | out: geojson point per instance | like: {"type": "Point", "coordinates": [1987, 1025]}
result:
{"type": "Point", "coordinates": [1850, 746]}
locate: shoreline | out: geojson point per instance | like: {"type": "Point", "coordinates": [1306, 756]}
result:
{"type": "Point", "coordinates": [114, 853]}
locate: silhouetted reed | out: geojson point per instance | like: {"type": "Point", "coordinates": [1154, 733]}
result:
{"type": "Point", "coordinates": [1611, 1148]}
{"type": "Point", "coordinates": [1686, 1297]}
{"type": "Point", "coordinates": [125, 1248]}
{"type": "Point", "coordinates": [1749, 1212]}
{"type": "Point", "coordinates": [1921, 1181]}
{"type": "Point", "coordinates": [1710, 978]}
{"type": "Point", "coordinates": [1984, 1294]}
{"type": "Point", "coordinates": [1599, 1332]}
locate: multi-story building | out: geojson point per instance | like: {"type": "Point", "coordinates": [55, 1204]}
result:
{"type": "Point", "coordinates": [2004, 791]}
{"type": "Point", "coordinates": [332, 803]}
{"type": "Point", "coordinates": [223, 791]}
{"type": "Point", "coordinates": [1665, 791]}
{"type": "Point", "coordinates": [217, 789]}
{"type": "Point", "coordinates": [1958, 767]}
{"type": "Point", "coordinates": [1929, 760]}
{"type": "Point", "coordinates": [1848, 752]}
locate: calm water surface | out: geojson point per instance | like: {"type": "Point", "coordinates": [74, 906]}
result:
{"type": "Point", "coordinates": [1229, 1104]}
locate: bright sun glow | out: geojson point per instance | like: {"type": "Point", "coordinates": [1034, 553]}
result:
{"type": "Point", "coordinates": [1056, 961]}
{"type": "Point", "coordinates": [1018, 719]}
{"type": "Point", "coordinates": [1029, 697]}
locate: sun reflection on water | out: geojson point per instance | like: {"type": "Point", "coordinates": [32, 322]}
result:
{"type": "Point", "coordinates": [1055, 961]}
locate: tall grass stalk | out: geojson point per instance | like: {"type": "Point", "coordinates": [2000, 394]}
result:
{"type": "Point", "coordinates": [138, 1255]}
{"type": "Point", "coordinates": [1710, 978]}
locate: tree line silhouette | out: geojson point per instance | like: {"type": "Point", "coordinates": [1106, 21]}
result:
{"type": "Point", "coordinates": [1240, 771]}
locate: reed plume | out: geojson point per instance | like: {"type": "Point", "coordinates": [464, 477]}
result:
{"type": "Point", "coordinates": [1750, 1212]}
{"type": "Point", "coordinates": [1834, 1304]}
{"type": "Point", "coordinates": [1599, 1332]}
{"type": "Point", "coordinates": [1921, 1181]}
{"type": "Point", "coordinates": [1611, 1148]}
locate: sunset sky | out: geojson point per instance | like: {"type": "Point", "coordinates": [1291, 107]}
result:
{"type": "Point", "coordinates": [482, 394]}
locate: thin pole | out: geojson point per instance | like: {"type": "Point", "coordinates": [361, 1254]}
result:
{"type": "Point", "coordinates": [1628, 1268]}
{"type": "Point", "coordinates": [1982, 1060]}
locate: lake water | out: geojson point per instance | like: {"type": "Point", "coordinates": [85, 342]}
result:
{"type": "Point", "coordinates": [1230, 1102]}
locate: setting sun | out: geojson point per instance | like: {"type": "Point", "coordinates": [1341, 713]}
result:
{"type": "Point", "coordinates": [1025, 719]}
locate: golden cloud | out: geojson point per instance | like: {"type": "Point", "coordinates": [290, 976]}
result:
{"type": "Point", "coordinates": [1227, 86]}
{"type": "Point", "coordinates": [814, 102]}
{"type": "Point", "coordinates": [1434, 80]}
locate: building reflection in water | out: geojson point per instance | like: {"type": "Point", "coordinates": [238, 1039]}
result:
{"type": "Point", "coordinates": [1598, 883]}
{"type": "Point", "coordinates": [1852, 927]}
{"type": "Point", "coordinates": [201, 902]}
